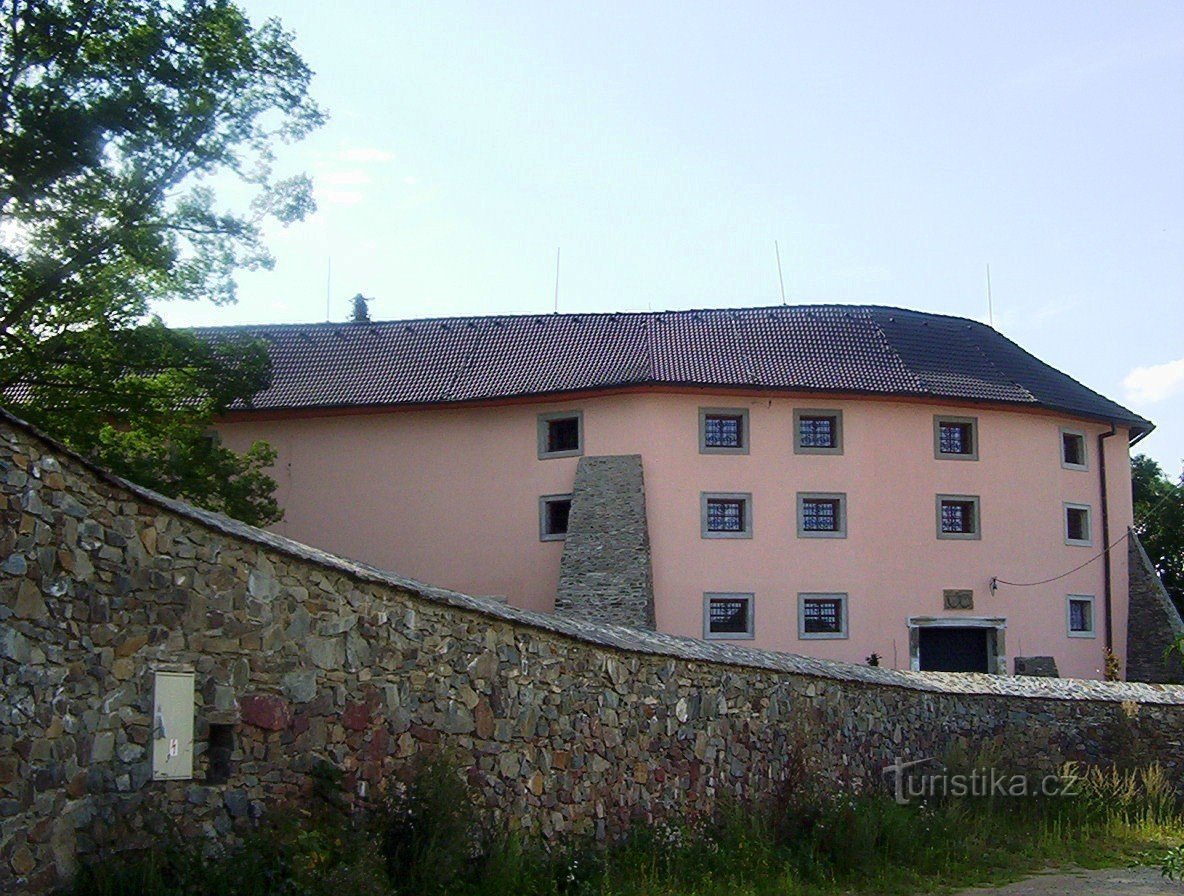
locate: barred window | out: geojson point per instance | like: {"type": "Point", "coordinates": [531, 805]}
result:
{"type": "Point", "coordinates": [822, 515]}
{"type": "Point", "coordinates": [723, 431]}
{"type": "Point", "coordinates": [956, 437]}
{"type": "Point", "coordinates": [728, 615]}
{"type": "Point", "coordinates": [822, 615]}
{"type": "Point", "coordinates": [957, 516]}
{"type": "Point", "coordinates": [817, 431]}
{"type": "Point", "coordinates": [725, 515]}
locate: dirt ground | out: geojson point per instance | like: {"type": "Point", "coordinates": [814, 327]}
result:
{"type": "Point", "coordinates": [1111, 882]}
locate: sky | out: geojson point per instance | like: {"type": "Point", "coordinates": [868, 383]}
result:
{"type": "Point", "coordinates": [891, 150]}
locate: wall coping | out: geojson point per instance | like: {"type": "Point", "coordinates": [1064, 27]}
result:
{"type": "Point", "coordinates": [629, 640]}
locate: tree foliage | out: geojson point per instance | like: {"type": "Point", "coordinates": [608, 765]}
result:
{"type": "Point", "coordinates": [1159, 520]}
{"type": "Point", "coordinates": [118, 119]}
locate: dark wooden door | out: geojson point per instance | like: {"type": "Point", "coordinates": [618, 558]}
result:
{"type": "Point", "coordinates": [954, 650]}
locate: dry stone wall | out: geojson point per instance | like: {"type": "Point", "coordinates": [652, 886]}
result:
{"type": "Point", "coordinates": [566, 726]}
{"type": "Point", "coordinates": [1154, 622]}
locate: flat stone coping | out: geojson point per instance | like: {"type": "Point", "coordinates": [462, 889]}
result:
{"type": "Point", "coordinates": [632, 640]}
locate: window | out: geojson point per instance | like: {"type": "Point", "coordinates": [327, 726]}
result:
{"type": "Point", "coordinates": [219, 749]}
{"type": "Point", "coordinates": [1077, 526]}
{"type": "Point", "coordinates": [822, 515]}
{"type": "Point", "coordinates": [822, 616]}
{"type": "Point", "coordinates": [723, 431]}
{"type": "Point", "coordinates": [726, 515]}
{"type": "Point", "coordinates": [728, 616]}
{"type": "Point", "coordinates": [958, 516]}
{"type": "Point", "coordinates": [1081, 616]}
{"type": "Point", "coordinates": [817, 431]}
{"type": "Point", "coordinates": [1073, 455]}
{"type": "Point", "coordinates": [553, 515]}
{"type": "Point", "coordinates": [955, 438]}
{"type": "Point", "coordinates": [561, 434]}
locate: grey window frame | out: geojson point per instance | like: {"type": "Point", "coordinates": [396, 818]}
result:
{"type": "Point", "coordinates": [705, 497]}
{"type": "Point", "coordinates": [747, 596]}
{"type": "Point", "coordinates": [799, 413]}
{"type": "Point", "coordinates": [1093, 618]}
{"type": "Point", "coordinates": [544, 535]}
{"type": "Point", "coordinates": [1069, 431]}
{"type": "Point", "coordinates": [1088, 541]}
{"type": "Point", "coordinates": [938, 420]}
{"type": "Point", "coordinates": [841, 497]}
{"type": "Point", "coordinates": [745, 432]}
{"type": "Point", "coordinates": [844, 631]}
{"type": "Point", "coordinates": [544, 421]}
{"type": "Point", "coordinates": [977, 534]}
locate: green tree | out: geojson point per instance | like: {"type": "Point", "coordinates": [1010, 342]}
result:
{"type": "Point", "coordinates": [118, 118]}
{"type": "Point", "coordinates": [1159, 520]}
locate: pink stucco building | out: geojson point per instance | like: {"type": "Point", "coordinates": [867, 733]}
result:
{"type": "Point", "coordinates": [829, 480]}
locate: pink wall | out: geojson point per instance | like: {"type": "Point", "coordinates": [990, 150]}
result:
{"type": "Point", "coordinates": [450, 496]}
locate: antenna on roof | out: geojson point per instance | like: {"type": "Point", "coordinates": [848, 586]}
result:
{"type": "Point", "coordinates": [328, 287]}
{"type": "Point", "coordinates": [990, 304]}
{"type": "Point", "coordinates": [557, 281]}
{"type": "Point", "coordinates": [780, 279]}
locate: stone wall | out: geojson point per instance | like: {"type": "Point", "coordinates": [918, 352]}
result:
{"type": "Point", "coordinates": [567, 726]}
{"type": "Point", "coordinates": [606, 573]}
{"type": "Point", "coordinates": [1154, 622]}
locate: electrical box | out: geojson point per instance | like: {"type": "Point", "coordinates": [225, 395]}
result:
{"type": "Point", "coordinates": [172, 726]}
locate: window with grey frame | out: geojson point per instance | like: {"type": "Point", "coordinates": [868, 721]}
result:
{"type": "Point", "coordinates": [723, 431]}
{"type": "Point", "coordinates": [955, 438]}
{"type": "Point", "coordinates": [1073, 450]}
{"type": "Point", "coordinates": [1077, 525]}
{"type": "Point", "coordinates": [822, 515]}
{"type": "Point", "coordinates": [822, 615]}
{"type": "Point", "coordinates": [728, 616]}
{"type": "Point", "coordinates": [725, 515]}
{"type": "Point", "coordinates": [560, 434]}
{"type": "Point", "coordinates": [817, 431]}
{"type": "Point", "coordinates": [554, 514]}
{"type": "Point", "coordinates": [1080, 612]}
{"type": "Point", "coordinates": [958, 517]}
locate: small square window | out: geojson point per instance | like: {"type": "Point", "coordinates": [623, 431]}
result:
{"type": "Point", "coordinates": [955, 438]}
{"type": "Point", "coordinates": [561, 434]}
{"type": "Point", "coordinates": [822, 616]}
{"type": "Point", "coordinates": [1077, 525]}
{"type": "Point", "coordinates": [1081, 616]}
{"type": "Point", "coordinates": [554, 511]}
{"type": "Point", "coordinates": [822, 515]}
{"type": "Point", "coordinates": [726, 515]}
{"type": "Point", "coordinates": [1073, 455]}
{"type": "Point", "coordinates": [817, 431]}
{"type": "Point", "coordinates": [723, 431]}
{"type": "Point", "coordinates": [958, 516]}
{"type": "Point", "coordinates": [728, 616]}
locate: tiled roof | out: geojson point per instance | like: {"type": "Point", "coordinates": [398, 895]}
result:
{"type": "Point", "coordinates": [808, 348]}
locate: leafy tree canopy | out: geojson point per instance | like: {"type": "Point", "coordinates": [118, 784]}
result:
{"type": "Point", "coordinates": [116, 117]}
{"type": "Point", "coordinates": [1159, 520]}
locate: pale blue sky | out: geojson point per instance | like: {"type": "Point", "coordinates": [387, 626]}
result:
{"type": "Point", "coordinates": [893, 149]}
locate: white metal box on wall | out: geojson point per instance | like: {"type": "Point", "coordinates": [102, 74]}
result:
{"type": "Point", "coordinates": [172, 726]}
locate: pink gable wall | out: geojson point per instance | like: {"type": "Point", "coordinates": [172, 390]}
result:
{"type": "Point", "coordinates": [450, 496]}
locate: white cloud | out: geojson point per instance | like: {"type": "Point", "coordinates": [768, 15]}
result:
{"type": "Point", "coordinates": [1155, 383]}
{"type": "Point", "coordinates": [365, 154]}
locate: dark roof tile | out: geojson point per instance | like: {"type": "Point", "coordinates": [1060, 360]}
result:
{"type": "Point", "coordinates": [825, 348]}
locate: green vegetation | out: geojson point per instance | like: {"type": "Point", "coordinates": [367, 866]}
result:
{"type": "Point", "coordinates": [121, 122]}
{"type": "Point", "coordinates": [425, 837]}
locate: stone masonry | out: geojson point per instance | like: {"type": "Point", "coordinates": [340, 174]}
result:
{"type": "Point", "coordinates": [566, 727]}
{"type": "Point", "coordinates": [606, 572]}
{"type": "Point", "coordinates": [1154, 623]}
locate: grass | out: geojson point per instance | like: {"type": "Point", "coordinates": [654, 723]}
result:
{"type": "Point", "coordinates": [428, 837]}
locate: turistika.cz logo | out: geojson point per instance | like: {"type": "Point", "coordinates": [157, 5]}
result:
{"type": "Point", "coordinates": [910, 783]}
